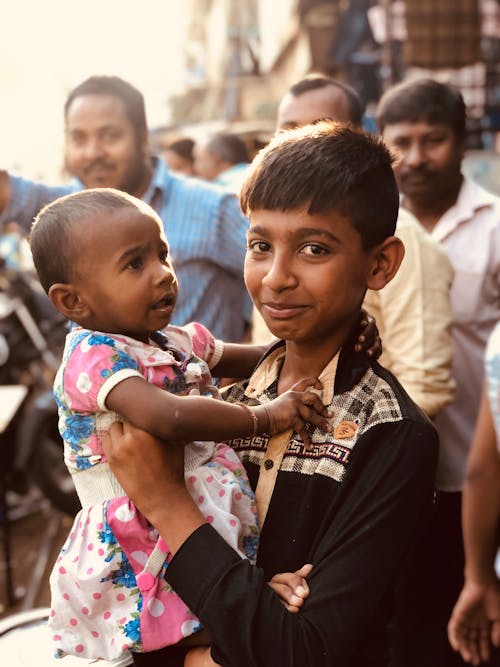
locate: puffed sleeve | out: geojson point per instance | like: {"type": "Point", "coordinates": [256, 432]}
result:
{"type": "Point", "coordinates": [96, 364]}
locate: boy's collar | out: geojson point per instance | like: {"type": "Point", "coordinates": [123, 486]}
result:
{"type": "Point", "coordinates": [341, 373]}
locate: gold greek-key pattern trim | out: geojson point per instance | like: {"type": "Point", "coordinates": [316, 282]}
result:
{"type": "Point", "coordinates": [371, 402]}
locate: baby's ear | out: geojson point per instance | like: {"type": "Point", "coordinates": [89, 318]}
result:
{"type": "Point", "coordinates": [387, 258]}
{"type": "Point", "coordinates": [67, 301]}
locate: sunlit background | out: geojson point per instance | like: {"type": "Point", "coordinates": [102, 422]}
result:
{"type": "Point", "coordinates": [48, 47]}
{"type": "Point", "coordinates": [207, 64]}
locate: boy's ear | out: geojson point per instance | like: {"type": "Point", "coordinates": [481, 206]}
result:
{"type": "Point", "coordinates": [67, 301]}
{"type": "Point", "coordinates": [386, 261]}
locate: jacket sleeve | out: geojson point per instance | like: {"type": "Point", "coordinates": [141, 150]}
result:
{"type": "Point", "coordinates": [384, 499]}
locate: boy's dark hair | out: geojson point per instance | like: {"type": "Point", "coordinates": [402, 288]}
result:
{"type": "Point", "coordinates": [325, 167]}
{"type": "Point", "coordinates": [132, 99]}
{"type": "Point", "coordinates": [53, 241]}
{"type": "Point", "coordinates": [423, 99]}
{"type": "Point", "coordinates": [316, 81]}
{"type": "Point", "coordinates": [228, 147]}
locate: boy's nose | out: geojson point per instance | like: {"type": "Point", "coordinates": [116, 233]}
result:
{"type": "Point", "coordinates": [280, 274]}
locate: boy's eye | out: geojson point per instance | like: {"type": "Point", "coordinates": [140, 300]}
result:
{"type": "Point", "coordinates": [313, 249]}
{"type": "Point", "coordinates": [163, 255]}
{"type": "Point", "coordinates": [258, 246]}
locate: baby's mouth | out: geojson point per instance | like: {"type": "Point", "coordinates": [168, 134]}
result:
{"type": "Point", "coordinates": [166, 302]}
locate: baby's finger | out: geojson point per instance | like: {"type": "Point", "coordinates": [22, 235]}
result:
{"type": "Point", "coordinates": [307, 383]}
{"type": "Point", "coordinates": [301, 429]}
{"type": "Point", "coordinates": [313, 401]}
{"type": "Point", "coordinates": [309, 415]}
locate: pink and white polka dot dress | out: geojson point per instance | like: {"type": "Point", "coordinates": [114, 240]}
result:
{"type": "Point", "coordinates": [109, 595]}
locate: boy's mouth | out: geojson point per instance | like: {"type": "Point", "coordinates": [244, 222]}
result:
{"type": "Point", "coordinates": [282, 311]}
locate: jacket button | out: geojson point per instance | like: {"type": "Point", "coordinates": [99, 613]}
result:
{"type": "Point", "coordinates": [268, 464]}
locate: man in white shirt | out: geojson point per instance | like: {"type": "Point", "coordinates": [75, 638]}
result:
{"type": "Point", "coordinates": [424, 123]}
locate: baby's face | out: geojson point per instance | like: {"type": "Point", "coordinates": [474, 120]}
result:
{"type": "Point", "coordinates": [124, 275]}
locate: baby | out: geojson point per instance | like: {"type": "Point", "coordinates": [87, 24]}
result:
{"type": "Point", "coordinates": [103, 259]}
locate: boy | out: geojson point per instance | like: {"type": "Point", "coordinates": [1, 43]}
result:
{"type": "Point", "coordinates": [323, 204]}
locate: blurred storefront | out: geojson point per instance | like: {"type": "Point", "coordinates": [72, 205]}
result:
{"type": "Point", "coordinates": [241, 55]}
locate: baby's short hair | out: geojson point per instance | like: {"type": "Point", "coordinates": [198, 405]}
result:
{"type": "Point", "coordinates": [324, 167]}
{"type": "Point", "coordinates": [53, 238]}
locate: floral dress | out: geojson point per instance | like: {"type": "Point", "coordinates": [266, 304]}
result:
{"type": "Point", "coordinates": [109, 595]}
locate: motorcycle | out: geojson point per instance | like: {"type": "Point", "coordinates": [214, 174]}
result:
{"type": "Point", "coordinates": [32, 336]}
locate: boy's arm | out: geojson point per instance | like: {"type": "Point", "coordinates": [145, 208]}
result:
{"type": "Point", "coordinates": [238, 360]}
{"type": "Point", "coordinates": [387, 496]}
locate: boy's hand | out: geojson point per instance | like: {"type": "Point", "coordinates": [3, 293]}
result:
{"type": "Point", "coordinates": [297, 407]}
{"type": "Point", "coordinates": [369, 340]}
{"type": "Point", "coordinates": [292, 587]}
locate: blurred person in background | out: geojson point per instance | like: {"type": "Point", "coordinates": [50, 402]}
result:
{"type": "Point", "coordinates": [412, 312]}
{"type": "Point", "coordinates": [223, 158]}
{"type": "Point", "coordinates": [14, 247]}
{"type": "Point", "coordinates": [107, 146]}
{"type": "Point", "coordinates": [474, 625]}
{"type": "Point", "coordinates": [424, 123]}
{"type": "Point", "coordinates": [179, 156]}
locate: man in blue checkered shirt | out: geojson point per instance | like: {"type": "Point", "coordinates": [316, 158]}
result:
{"type": "Point", "coordinates": [107, 146]}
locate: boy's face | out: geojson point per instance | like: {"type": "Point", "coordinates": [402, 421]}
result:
{"type": "Point", "coordinates": [307, 274]}
{"type": "Point", "coordinates": [127, 280]}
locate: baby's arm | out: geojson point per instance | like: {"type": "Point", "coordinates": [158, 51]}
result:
{"type": "Point", "coordinates": [172, 417]}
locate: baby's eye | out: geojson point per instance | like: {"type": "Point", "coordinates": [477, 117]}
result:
{"type": "Point", "coordinates": [313, 249]}
{"type": "Point", "coordinates": [163, 255]}
{"type": "Point", "coordinates": [135, 263]}
{"type": "Point", "coordinates": [258, 246]}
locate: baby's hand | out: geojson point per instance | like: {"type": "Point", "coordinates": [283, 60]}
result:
{"type": "Point", "coordinates": [292, 587]}
{"type": "Point", "coordinates": [295, 408]}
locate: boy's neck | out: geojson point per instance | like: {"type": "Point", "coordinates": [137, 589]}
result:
{"type": "Point", "coordinates": [302, 361]}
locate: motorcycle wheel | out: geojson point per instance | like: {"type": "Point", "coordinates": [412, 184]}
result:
{"type": "Point", "coordinates": [49, 470]}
